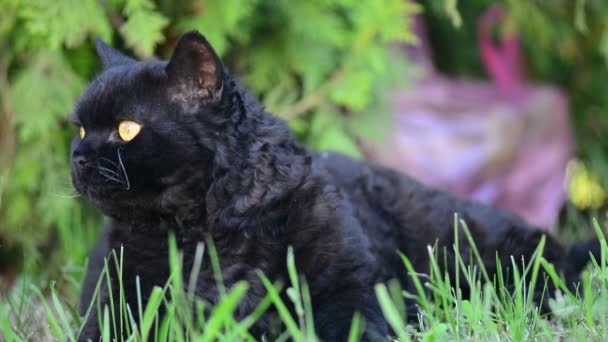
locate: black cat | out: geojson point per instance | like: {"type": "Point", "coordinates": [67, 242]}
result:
{"type": "Point", "coordinates": [181, 146]}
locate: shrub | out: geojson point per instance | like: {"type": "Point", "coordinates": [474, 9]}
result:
{"type": "Point", "coordinates": [309, 61]}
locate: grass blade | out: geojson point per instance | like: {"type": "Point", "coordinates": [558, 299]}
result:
{"type": "Point", "coordinates": [284, 313]}
{"type": "Point", "coordinates": [150, 312]}
{"type": "Point", "coordinates": [356, 329]}
{"type": "Point", "coordinates": [391, 313]}
{"type": "Point", "coordinates": [105, 332]}
{"type": "Point", "coordinates": [50, 315]}
{"type": "Point", "coordinates": [422, 297]}
{"type": "Point", "coordinates": [61, 312]}
{"type": "Point", "coordinates": [223, 311]}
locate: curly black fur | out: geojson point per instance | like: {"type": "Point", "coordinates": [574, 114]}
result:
{"type": "Point", "coordinates": [209, 161]}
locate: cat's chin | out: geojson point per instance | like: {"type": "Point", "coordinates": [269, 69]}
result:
{"type": "Point", "coordinates": [93, 186]}
{"type": "Point", "coordinates": [101, 193]}
{"type": "Point", "coordinates": [112, 200]}
{"type": "Point", "coordinates": [119, 202]}
{"type": "Point", "coordinates": [125, 208]}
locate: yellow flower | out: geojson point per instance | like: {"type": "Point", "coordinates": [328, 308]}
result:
{"type": "Point", "coordinates": [584, 189]}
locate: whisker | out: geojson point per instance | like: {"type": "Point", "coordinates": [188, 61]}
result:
{"type": "Point", "coordinates": [123, 169]}
{"type": "Point", "coordinates": [109, 176]}
{"type": "Point", "coordinates": [109, 161]}
{"type": "Point", "coordinates": [67, 181]}
{"type": "Point", "coordinates": [109, 173]}
{"type": "Point", "coordinates": [113, 179]}
{"type": "Point", "coordinates": [112, 172]}
{"type": "Point", "coordinates": [66, 187]}
{"type": "Point", "coordinates": [76, 195]}
{"type": "Point", "coordinates": [63, 188]}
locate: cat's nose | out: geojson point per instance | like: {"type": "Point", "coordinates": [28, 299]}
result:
{"type": "Point", "coordinates": [80, 160]}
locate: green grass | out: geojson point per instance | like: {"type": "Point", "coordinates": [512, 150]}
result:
{"type": "Point", "coordinates": [491, 313]}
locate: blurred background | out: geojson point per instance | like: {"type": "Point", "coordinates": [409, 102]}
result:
{"type": "Point", "coordinates": [500, 101]}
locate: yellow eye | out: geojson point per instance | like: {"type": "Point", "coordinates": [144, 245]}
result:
{"type": "Point", "coordinates": [82, 132]}
{"type": "Point", "coordinates": [127, 130]}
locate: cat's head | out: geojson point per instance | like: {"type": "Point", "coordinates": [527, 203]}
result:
{"type": "Point", "coordinates": [148, 131]}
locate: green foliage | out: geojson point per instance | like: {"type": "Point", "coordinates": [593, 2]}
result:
{"type": "Point", "coordinates": [321, 64]}
{"type": "Point", "coordinates": [143, 28]}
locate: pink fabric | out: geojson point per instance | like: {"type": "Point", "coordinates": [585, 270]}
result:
{"type": "Point", "coordinates": [502, 142]}
{"type": "Point", "coordinates": [502, 59]}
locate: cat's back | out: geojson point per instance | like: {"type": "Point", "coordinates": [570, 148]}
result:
{"type": "Point", "coordinates": [385, 192]}
{"type": "Point", "coordinates": [399, 213]}
{"type": "Point", "coordinates": [402, 200]}
{"type": "Point", "coordinates": [376, 203]}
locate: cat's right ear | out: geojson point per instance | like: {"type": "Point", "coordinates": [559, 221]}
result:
{"type": "Point", "coordinates": [195, 72]}
{"type": "Point", "coordinates": [109, 56]}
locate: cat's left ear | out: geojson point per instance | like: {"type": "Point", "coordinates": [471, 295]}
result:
{"type": "Point", "coordinates": [195, 71]}
{"type": "Point", "coordinates": [109, 56]}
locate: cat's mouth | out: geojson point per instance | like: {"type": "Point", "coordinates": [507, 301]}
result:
{"type": "Point", "coordinates": [114, 195]}
{"type": "Point", "coordinates": [100, 178]}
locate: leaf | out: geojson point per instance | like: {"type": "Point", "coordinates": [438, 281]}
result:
{"type": "Point", "coordinates": [336, 139]}
{"type": "Point", "coordinates": [220, 21]}
{"type": "Point", "coordinates": [143, 30]}
{"type": "Point", "coordinates": [603, 46]}
{"type": "Point", "coordinates": [78, 18]}
{"type": "Point", "coordinates": [43, 92]}
{"type": "Point", "coordinates": [353, 90]}
{"type": "Point", "coordinates": [8, 18]}
{"type": "Point", "coordinates": [438, 332]}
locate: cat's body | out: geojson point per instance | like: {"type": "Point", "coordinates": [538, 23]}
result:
{"type": "Point", "coordinates": [209, 162]}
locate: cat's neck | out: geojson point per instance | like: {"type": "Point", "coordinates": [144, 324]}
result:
{"type": "Point", "coordinates": [253, 183]}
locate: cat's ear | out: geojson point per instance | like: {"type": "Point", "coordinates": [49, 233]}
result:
{"type": "Point", "coordinates": [109, 56]}
{"type": "Point", "coordinates": [195, 71]}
